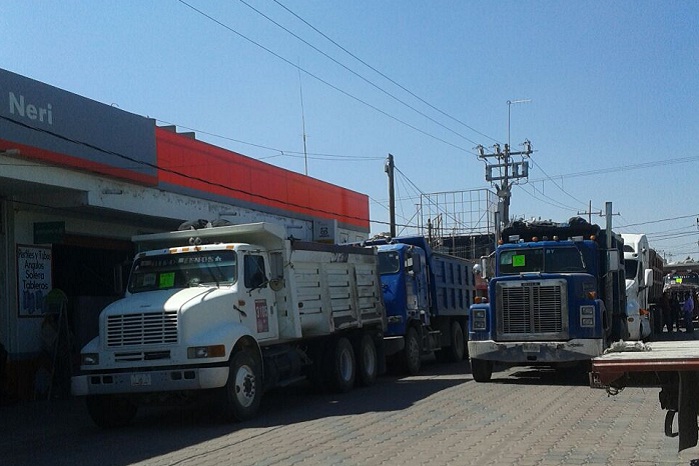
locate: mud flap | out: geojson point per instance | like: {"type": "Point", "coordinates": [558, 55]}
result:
{"type": "Point", "coordinates": [688, 409]}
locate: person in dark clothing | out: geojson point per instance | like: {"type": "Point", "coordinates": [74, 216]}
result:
{"type": "Point", "coordinates": [676, 311]}
{"type": "Point", "coordinates": [666, 311]}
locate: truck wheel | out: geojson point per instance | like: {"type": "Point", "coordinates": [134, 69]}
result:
{"type": "Point", "coordinates": [481, 370]}
{"type": "Point", "coordinates": [342, 370]}
{"type": "Point", "coordinates": [243, 390]}
{"type": "Point", "coordinates": [455, 352]}
{"type": "Point", "coordinates": [411, 353]}
{"type": "Point", "coordinates": [109, 411]}
{"type": "Point", "coordinates": [367, 361]}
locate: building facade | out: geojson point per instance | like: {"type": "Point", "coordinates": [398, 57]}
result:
{"type": "Point", "coordinates": [79, 178]}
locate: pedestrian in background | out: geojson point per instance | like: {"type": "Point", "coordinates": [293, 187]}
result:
{"type": "Point", "coordinates": [666, 312]}
{"type": "Point", "coordinates": [676, 310]}
{"type": "Point", "coordinates": [688, 312]}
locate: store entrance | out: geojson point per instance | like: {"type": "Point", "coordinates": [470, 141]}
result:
{"type": "Point", "coordinates": [92, 272]}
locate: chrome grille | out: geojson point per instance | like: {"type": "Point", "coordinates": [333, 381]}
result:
{"type": "Point", "coordinates": [532, 308]}
{"type": "Point", "coordinates": [142, 329]}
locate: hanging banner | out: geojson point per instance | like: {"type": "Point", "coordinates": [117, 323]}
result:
{"type": "Point", "coordinates": [33, 279]}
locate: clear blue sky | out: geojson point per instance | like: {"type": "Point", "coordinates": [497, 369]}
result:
{"type": "Point", "coordinates": [614, 89]}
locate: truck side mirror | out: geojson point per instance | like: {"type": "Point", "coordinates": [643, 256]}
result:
{"type": "Point", "coordinates": [613, 260]}
{"type": "Point", "coordinates": [648, 277]}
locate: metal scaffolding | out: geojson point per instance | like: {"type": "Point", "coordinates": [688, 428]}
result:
{"type": "Point", "coordinates": [461, 223]}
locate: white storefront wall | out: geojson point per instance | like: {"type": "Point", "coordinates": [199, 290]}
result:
{"type": "Point", "coordinates": [95, 206]}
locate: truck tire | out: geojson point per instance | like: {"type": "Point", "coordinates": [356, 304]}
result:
{"type": "Point", "coordinates": [110, 411]}
{"type": "Point", "coordinates": [342, 369]}
{"type": "Point", "coordinates": [481, 370]}
{"type": "Point", "coordinates": [410, 356]}
{"type": "Point", "coordinates": [242, 393]}
{"type": "Point", "coordinates": [367, 361]}
{"type": "Point", "coordinates": [455, 352]}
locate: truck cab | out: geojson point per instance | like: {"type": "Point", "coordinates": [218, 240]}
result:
{"type": "Point", "coordinates": [426, 295]}
{"type": "Point", "coordinates": [550, 302]}
{"type": "Point", "coordinates": [229, 312]}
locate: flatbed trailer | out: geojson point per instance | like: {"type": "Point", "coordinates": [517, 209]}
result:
{"type": "Point", "coordinates": [671, 365]}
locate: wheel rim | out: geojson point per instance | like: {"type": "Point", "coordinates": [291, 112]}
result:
{"type": "Point", "coordinates": [245, 386]}
{"type": "Point", "coordinates": [346, 365]}
{"type": "Point", "coordinates": [369, 356]}
{"type": "Point", "coordinates": [413, 348]}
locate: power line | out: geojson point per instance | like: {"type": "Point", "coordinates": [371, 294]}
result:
{"type": "Point", "coordinates": [604, 171]}
{"type": "Point", "coordinates": [282, 152]}
{"type": "Point", "coordinates": [382, 74]}
{"type": "Point", "coordinates": [357, 74]}
{"type": "Point", "coordinates": [661, 220]}
{"type": "Point", "coordinates": [332, 86]}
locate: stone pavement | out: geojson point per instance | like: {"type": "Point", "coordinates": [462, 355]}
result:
{"type": "Point", "coordinates": [442, 417]}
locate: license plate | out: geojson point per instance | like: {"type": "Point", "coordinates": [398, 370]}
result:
{"type": "Point", "coordinates": [140, 380]}
{"type": "Point", "coordinates": [530, 348]}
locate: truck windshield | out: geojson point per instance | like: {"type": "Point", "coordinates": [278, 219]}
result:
{"type": "Point", "coordinates": [183, 270]}
{"type": "Point", "coordinates": [389, 262]}
{"type": "Point", "coordinates": [631, 267]}
{"type": "Point", "coordinates": [551, 260]}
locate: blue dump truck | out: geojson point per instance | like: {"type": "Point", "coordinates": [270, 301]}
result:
{"type": "Point", "coordinates": [557, 298]}
{"type": "Point", "coordinates": [427, 296]}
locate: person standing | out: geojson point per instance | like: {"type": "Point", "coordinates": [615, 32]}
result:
{"type": "Point", "coordinates": [676, 310]}
{"type": "Point", "coordinates": [688, 312]}
{"type": "Point", "coordinates": [666, 312]}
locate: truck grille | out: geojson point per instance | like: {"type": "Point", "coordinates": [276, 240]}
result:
{"type": "Point", "coordinates": [142, 329]}
{"type": "Point", "coordinates": [532, 309]}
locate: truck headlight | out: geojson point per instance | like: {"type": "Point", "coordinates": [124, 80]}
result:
{"type": "Point", "coordinates": [89, 359]}
{"type": "Point", "coordinates": [202, 352]}
{"type": "Point", "coordinates": [479, 320]}
{"type": "Point", "coordinates": [587, 316]}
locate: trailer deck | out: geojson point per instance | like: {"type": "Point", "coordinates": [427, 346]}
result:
{"type": "Point", "coordinates": [658, 356]}
{"type": "Point", "coordinates": [671, 364]}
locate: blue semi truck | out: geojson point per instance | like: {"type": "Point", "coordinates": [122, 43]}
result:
{"type": "Point", "coordinates": [558, 297]}
{"type": "Point", "coordinates": [427, 297]}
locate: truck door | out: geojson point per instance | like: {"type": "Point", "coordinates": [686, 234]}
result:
{"type": "Point", "coordinates": [258, 298]}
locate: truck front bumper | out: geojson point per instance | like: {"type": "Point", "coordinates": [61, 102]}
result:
{"type": "Point", "coordinates": [175, 379]}
{"type": "Point", "coordinates": [532, 352]}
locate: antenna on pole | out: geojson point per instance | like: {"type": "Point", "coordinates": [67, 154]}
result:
{"type": "Point", "coordinates": [509, 104]}
{"type": "Point", "coordinates": [388, 168]}
{"type": "Point", "coordinates": [303, 127]}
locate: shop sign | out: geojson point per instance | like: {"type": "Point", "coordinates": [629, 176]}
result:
{"type": "Point", "coordinates": [49, 232]}
{"type": "Point", "coordinates": [34, 279]}
{"type": "Point", "coordinates": [325, 231]}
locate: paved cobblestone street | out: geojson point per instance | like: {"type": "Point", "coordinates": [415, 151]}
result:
{"type": "Point", "coordinates": [524, 417]}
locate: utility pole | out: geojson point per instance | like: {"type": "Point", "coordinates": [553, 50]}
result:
{"type": "Point", "coordinates": [506, 171]}
{"type": "Point", "coordinates": [589, 212]}
{"type": "Point", "coordinates": [388, 168]}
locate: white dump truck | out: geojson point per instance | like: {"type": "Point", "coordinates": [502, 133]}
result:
{"type": "Point", "coordinates": [229, 312]}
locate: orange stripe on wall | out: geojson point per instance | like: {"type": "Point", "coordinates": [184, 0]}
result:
{"type": "Point", "coordinates": [203, 167]}
{"type": "Point", "coordinates": [28, 152]}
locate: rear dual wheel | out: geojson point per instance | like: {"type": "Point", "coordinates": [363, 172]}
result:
{"type": "Point", "coordinates": [367, 361]}
{"type": "Point", "coordinates": [457, 345]}
{"type": "Point", "coordinates": [342, 369]}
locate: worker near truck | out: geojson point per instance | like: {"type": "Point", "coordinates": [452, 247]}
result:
{"type": "Point", "coordinates": [676, 310]}
{"type": "Point", "coordinates": [688, 312]}
{"type": "Point", "coordinates": [666, 309]}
